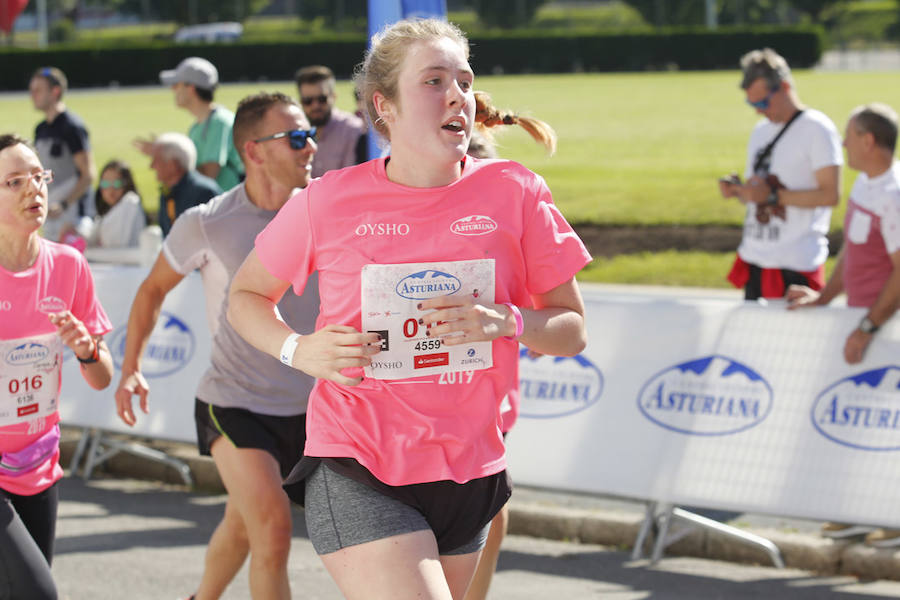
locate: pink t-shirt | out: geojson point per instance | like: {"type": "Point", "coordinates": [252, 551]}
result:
{"type": "Point", "coordinates": [435, 427]}
{"type": "Point", "coordinates": [872, 235]}
{"type": "Point", "coordinates": [60, 279]}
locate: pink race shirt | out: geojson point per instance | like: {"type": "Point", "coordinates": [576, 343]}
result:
{"type": "Point", "coordinates": [60, 279]}
{"type": "Point", "coordinates": [431, 428]}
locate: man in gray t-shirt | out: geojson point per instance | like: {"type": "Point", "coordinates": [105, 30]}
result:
{"type": "Point", "coordinates": [250, 408]}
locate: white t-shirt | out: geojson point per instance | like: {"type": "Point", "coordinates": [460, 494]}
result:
{"type": "Point", "coordinates": [798, 242]}
{"type": "Point", "coordinates": [121, 226]}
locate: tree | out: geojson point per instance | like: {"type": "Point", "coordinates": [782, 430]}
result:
{"type": "Point", "coordinates": [334, 12]}
{"type": "Point", "coordinates": [507, 13]}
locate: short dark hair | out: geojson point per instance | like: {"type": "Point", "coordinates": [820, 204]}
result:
{"type": "Point", "coordinates": [313, 74]}
{"type": "Point", "coordinates": [7, 140]}
{"type": "Point", "coordinates": [878, 119]}
{"type": "Point", "coordinates": [205, 94]}
{"type": "Point", "coordinates": [251, 111]}
{"type": "Point", "coordinates": [765, 64]}
{"type": "Point", "coordinates": [54, 77]}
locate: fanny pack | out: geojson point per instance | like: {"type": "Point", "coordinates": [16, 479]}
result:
{"type": "Point", "coordinates": [14, 464]}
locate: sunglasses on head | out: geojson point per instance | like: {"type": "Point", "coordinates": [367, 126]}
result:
{"type": "Point", "coordinates": [116, 183]}
{"type": "Point", "coordinates": [296, 137]}
{"type": "Point", "coordinates": [764, 103]}
{"type": "Point", "coordinates": [321, 99]}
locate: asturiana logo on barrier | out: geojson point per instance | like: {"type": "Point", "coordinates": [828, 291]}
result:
{"type": "Point", "coordinates": [170, 348]}
{"type": "Point", "coordinates": [27, 353]}
{"type": "Point", "coordinates": [553, 386]}
{"type": "Point", "coordinates": [861, 411]}
{"type": "Point", "coordinates": [427, 284]}
{"type": "Point", "coordinates": [714, 395]}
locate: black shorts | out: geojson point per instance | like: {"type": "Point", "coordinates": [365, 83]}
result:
{"type": "Point", "coordinates": [457, 513]}
{"type": "Point", "coordinates": [282, 437]}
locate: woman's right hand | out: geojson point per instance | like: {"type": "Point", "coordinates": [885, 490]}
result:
{"type": "Point", "coordinates": [325, 353]}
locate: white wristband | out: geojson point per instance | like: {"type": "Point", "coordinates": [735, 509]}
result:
{"type": "Point", "coordinates": [288, 348]}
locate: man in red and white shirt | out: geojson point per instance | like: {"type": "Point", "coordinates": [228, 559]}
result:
{"type": "Point", "coordinates": [868, 267]}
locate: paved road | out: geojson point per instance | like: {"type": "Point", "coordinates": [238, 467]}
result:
{"type": "Point", "coordinates": [142, 540]}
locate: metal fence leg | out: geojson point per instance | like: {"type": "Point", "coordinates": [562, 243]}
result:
{"type": "Point", "coordinates": [665, 519]}
{"type": "Point", "coordinates": [649, 521]}
{"type": "Point", "coordinates": [79, 450]}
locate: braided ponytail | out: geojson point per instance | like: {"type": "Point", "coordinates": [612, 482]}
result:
{"type": "Point", "coordinates": [488, 116]}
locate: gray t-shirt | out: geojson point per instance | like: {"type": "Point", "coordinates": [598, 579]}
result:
{"type": "Point", "coordinates": [216, 237]}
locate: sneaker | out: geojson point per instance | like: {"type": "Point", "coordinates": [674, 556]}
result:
{"type": "Point", "coordinates": [840, 531]}
{"type": "Point", "coordinates": [884, 538]}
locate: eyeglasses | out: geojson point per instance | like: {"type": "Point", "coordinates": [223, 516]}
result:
{"type": "Point", "coordinates": [296, 137]}
{"type": "Point", "coordinates": [764, 103]}
{"type": "Point", "coordinates": [115, 183]}
{"type": "Point", "coordinates": [18, 183]}
{"type": "Point", "coordinates": [321, 99]}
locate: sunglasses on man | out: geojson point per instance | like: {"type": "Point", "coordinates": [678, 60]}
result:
{"type": "Point", "coordinates": [296, 137]}
{"type": "Point", "coordinates": [764, 103]}
{"type": "Point", "coordinates": [321, 99]}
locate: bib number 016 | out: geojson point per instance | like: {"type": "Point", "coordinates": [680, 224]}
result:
{"type": "Point", "coordinates": [25, 384]}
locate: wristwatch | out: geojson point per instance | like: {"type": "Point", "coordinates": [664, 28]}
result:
{"type": "Point", "coordinates": [772, 200]}
{"type": "Point", "coordinates": [867, 326]}
{"type": "Point", "coordinates": [94, 357]}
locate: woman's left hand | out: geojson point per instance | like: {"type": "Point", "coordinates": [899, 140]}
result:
{"type": "Point", "coordinates": [73, 333]}
{"type": "Point", "coordinates": [464, 319]}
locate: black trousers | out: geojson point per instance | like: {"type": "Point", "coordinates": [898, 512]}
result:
{"type": "Point", "coordinates": [27, 532]}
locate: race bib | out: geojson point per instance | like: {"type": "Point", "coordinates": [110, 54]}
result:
{"type": "Point", "coordinates": [30, 372]}
{"type": "Point", "coordinates": [390, 294]}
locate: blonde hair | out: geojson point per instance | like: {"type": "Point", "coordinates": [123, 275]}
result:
{"type": "Point", "coordinates": [487, 116]}
{"type": "Point", "coordinates": [380, 70]}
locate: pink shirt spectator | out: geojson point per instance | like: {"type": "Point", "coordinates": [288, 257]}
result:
{"type": "Point", "coordinates": [59, 280]}
{"type": "Point", "coordinates": [872, 231]}
{"type": "Point", "coordinates": [420, 429]}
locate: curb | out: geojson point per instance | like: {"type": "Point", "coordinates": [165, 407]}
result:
{"type": "Point", "coordinates": [615, 528]}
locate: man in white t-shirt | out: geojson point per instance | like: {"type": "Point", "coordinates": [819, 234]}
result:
{"type": "Point", "coordinates": [793, 175]}
{"type": "Point", "coordinates": [868, 267]}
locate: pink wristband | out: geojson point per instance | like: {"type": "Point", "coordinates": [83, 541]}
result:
{"type": "Point", "coordinates": [520, 324]}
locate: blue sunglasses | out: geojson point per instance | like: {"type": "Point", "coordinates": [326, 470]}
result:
{"type": "Point", "coordinates": [764, 103]}
{"type": "Point", "coordinates": [296, 137]}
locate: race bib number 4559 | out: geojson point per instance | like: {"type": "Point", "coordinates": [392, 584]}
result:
{"type": "Point", "coordinates": [390, 294]}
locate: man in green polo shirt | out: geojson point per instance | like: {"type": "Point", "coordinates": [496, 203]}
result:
{"type": "Point", "coordinates": [194, 81]}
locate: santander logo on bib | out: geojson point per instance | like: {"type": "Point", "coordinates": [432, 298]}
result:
{"type": "Point", "coordinates": [51, 304]}
{"type": "Point", "coordinates": [473, 225]}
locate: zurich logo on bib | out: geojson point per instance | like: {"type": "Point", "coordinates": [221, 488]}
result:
{"type": "Point", "coordinates": [427, 284]}
{"type": "Point", "coordinates": [713, 395]}
{"type": "Point", "coordinates": [170, 348]}
{"type": "Point", "coordinates": [554, 386]}
{"type": "Point", "coordinates": [861, 411]}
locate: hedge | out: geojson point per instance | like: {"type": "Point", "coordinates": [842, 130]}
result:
{"type": "Point", "coordinates": [688, 49]}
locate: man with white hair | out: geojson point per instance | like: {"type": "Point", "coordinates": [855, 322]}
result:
{"type": "Point", "coordinates": [174, 160]}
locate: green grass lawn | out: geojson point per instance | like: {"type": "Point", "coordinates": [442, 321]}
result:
{"type": "Point", "coordinates": [634, 148]}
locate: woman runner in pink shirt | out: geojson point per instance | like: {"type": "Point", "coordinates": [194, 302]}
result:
{"type": "Point", "coordinates": [432, 267]}
{"type": "Point", "coordinates": [47, 301]}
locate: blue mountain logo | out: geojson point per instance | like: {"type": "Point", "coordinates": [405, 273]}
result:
{"type": "Point", "coordinates": [169, 349]}
{"type": "Point", "coordinates": [553, 386]}
{"type": "Point", "coordinates": [427, 284]}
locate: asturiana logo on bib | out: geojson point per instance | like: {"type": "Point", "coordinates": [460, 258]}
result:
{"type": "Point", "coordinates": [51, 304]}
{"type": "Point", "coordinates": [427, 284]}
{"type": "Point", "coordinates": [473, 225]}
{"type": "Point", "coordinates": [555, 386]}
{"type": "Point", "coordinates": [27, 353]}
{"type": "Point", "coordinates": [861, 411]}
{"type": "Point", "coordinates": [169, 349]}
{"type": "Point", "coordinates": [714, 395]}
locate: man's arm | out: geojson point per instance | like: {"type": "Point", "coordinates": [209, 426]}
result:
{"type": "Point", "coordinates": [84, 161]}
{"type": "Point", "coordinates": [826, 192]}
{"type": "Point", "coordinates": [884, 308]}
{"type": "Point", "coordinates": [799, 296]}
{"type": "Point", "coordinates": [141, 321]}
{"type": "Point", "coordinates": [210, 169]}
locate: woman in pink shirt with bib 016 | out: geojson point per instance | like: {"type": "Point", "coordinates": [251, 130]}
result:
{"type": "Point", "coordinates": [432, 267]}
{"type": "Point", "coordinates": [47, 302]}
